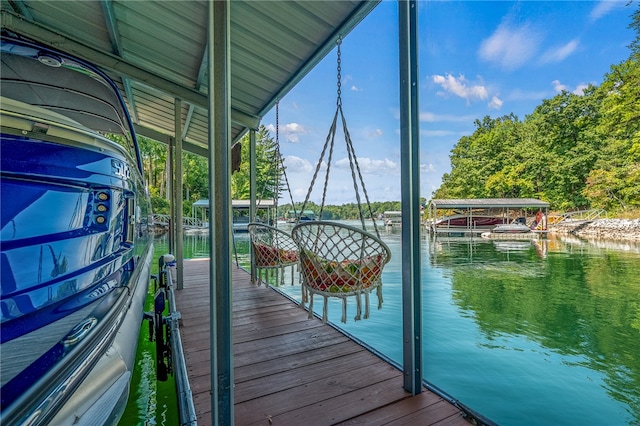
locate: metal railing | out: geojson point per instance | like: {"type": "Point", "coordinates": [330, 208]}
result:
{"type": "Point", "coordinates": [187, 222]}
{"type": "Point", "coordinates": [577, 216]}
{"type": "Point", "coordinates": [186, 407]}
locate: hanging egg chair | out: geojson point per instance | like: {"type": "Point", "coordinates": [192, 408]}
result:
{"type": "Point", "coordinates": [339, 260]}
{"type": "Point", "coordinates": [273, 250]}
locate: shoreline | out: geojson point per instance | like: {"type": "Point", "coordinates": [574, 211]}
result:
{"type": "Point", "coordinates": [609, 229]}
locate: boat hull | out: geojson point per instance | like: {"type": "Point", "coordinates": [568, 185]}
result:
{"type": "Point", "coordinates": [511, 228]}
{"type": "Point", "coordinates": [510, 236]}
{"type": "Point", "coordinates": [76, 245]}
{"type": "Point", "coordinates": [460, 221]}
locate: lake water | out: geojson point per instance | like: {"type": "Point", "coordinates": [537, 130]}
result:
{"type": "Point", "coordinates": [523, 333]}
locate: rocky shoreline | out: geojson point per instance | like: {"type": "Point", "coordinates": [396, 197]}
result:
{"type": "Point", "coordinates": [610, 229]}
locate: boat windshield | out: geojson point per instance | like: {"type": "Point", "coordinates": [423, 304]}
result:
{"type": "Point", "coordinates": [66, 88]}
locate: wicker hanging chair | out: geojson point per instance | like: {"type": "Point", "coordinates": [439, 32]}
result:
{"type": "Point", "coordinates": [338, 260]}
{"type": "Point", "coordinates": [273, 250]}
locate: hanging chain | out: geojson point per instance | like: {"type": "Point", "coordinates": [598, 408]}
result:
{"type": "Point", "coordinates": [276, 192]}
{"type": "Point", "coordinates": [277, 122]}
{"type": "Point", "coordinates": [339, 98]}
{"type": "Point", "coordinates": [356, 173]}
{"type": "Point", "coordinates": [280, 164]}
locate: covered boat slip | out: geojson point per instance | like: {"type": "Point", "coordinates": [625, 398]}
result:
{"type": "Point", "coordinates": [478, 213]}
{"type": "Point", "coordinates": [289, 369]}
{"type": "Point", "coordinates": [241, 212]}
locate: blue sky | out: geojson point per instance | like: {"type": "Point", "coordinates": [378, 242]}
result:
{"type": "Point", "coordinates": [476, 58]}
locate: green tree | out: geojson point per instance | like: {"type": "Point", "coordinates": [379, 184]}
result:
{"type": "Point", "coordinates": [154, 158]}
{"type": "Point", "coordinates": [477, 161]}
{"type": "Point", "coordinates": [268, 169]}
{"type": "Point", "coordinates": [614, 182]}
{"type": "Point", "coordinates": [196, 177]}
{"type": "Point", "coordinates": [568, 142]}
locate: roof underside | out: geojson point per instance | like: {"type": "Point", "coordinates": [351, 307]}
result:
{"type": "Point", "coordinates": [487, 203]}
{"type": "Point", "coordinates": [156, 52]}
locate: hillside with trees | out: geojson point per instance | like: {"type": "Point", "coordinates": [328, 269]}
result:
{"type": "Point", "coordinates": [574, 151]}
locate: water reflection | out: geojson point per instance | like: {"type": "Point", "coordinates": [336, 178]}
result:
{"type": "Point", "coordinates": [196, 245]}
{"type": "Point", "coordinates": [573, 298]}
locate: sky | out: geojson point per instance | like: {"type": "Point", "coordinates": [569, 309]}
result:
{"type": "Point", "coordinates": [476, 59]}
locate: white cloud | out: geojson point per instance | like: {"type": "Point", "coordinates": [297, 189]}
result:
{"type": "Point", "coordinates": [367, 165]}
{"type": "Point", "coordinates": [427, 168]}
{"type": "Point", "coordinates": [559, 87]}
{"type": "Point", "coordinates": [296, 164]}
{"type": "Point", "coordinates": [381, 185]}
{"type": "Point", "coordinates": [430, 117]}
{"type": "Point", "coordinates": [496, 103]}
{"type": "Point", "coordinates": [559, 53]}
{"type": "Point", "coordinates": [355, 88]}
{"type": "Point", "coordinates": [521, 95]}
{"type": "Point", "coordinates": [604, 7]}
{"type": "Point", "coordinates": [580, 88]}
{"type": "Point", "coordinates": [374, 133]}
{"type": "Point", "coordinates": [510, 46]}
{"type": "Point", "coordinates": [459, 87]}
{"type": "Point", "coordinates": [437, 133]}
{"type": "Point", "coordinates": [292, 132]}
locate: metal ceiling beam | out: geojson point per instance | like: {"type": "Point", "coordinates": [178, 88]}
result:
{"type": "Point", "coordinates": [116, 65]}
{"type": "Point", "coordinates": [165, 139]}
{"type": "Point", "coordinates": [199, 79]}
{"type": "Point", "coordinates": [114, 37]}
{"type": "Point", "coordinates": [20, 7]}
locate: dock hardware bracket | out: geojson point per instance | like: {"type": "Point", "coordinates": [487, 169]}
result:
{"type": "Point", "coordinates": [160, 325]}
{"type": "Point", "coordinates": [165, 330]}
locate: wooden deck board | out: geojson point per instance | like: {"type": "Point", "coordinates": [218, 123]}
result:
{"type": "Point", "coordinates": [299, 376]}
{"type": "Point", "coordinates": [289, 362]}
{"type": "Point", "coordinates": [289, 369]}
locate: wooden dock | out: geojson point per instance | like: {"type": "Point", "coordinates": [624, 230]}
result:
{"type": "Point", "coordinates": [290, 370]}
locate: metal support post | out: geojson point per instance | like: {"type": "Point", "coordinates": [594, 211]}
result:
{"type": "Point", "coordinates": [220, 213]}
{"type": "Point", "coordinates": [179, 255]}
{"type": "Point", "coordinates": [252, 189]}
{"type": "Point", "coordinates": [170, 195]}
{"type": "Point", "coordinates": [410, 179]}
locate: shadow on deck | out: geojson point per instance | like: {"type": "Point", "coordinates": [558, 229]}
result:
{"type": "Point", "coordinates": [290, 370]}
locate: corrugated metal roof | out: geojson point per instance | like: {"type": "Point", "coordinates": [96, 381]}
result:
{"type": "Point", "coordinates": [156, 52]}
{"type": "Point", "coordinates": [486, 203]}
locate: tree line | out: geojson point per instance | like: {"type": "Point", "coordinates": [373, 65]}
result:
{"type": "Point", "coordinates": [270, 180]}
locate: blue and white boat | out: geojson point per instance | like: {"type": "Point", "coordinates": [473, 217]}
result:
{"type": "Point", "coordinates": [75, 244]}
